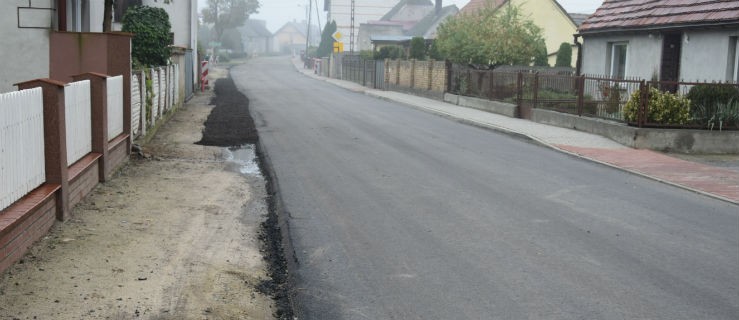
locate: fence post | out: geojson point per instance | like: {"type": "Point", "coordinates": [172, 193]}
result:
{"type": "Point", "coordinates": [55, 140]}
{"type": "Point", "coordinates": [519, 89]}
{"type": "Point", "coordinates": [448, 65]}
{"type": "Point", "coordinates": [536, 91]}
{"type": "Point", "coordinates": [580, 84]}
{"type": "Point", "coordinates": [99, 103]}
{"type": "Point", "coordinates": [142, 92]}
{"type": "Point", "coordinates": [431, 74]}
{"type": "Point", "coordinates": [491, 94]}
{"type": "Point", "coordinates": [364, 73]}
{"type": "Point", "coordinates": [644, 96]}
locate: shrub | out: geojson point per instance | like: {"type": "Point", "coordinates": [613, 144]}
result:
{"type": "Point", "coordinates": [418, 48]}
{"type": "Point", "coordinates": [564, 55]}
{"type": "Point", "coordinates": [721, 116]}
{"type": "Point", "coordinates": [389, 52]}
{"type": "Point", "coordinates": [151, 29]}
{"type": "Point", "coordinates": [662, 108]}
{"type": "Point", "coordinates": [709, 95]}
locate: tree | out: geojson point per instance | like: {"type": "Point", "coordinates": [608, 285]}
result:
{"type": "Point", "coordinates": [489, 36]}
{"type": "Point", "coordinates": [541, 59]}
{"type": "Point", "coordinates": [327, 42]}
{"type": "Point", "coordinates": [418, 48]}
{"type": "Point", "coordinates": [151, 39]}
{"type": "Point", "coordinates": [564, 55]}
{"type": "Point", "coordinates": [228, 14]}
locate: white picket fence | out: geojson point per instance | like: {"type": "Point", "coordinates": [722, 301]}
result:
{"type": "Point", "coordinates": [22, 167]}
{"type": "Point", "coordinates": [78, 120]}
{"type": "Point", "coordinates": [165, 83]}
{"type": "Point", "coordinates": [115, 106]}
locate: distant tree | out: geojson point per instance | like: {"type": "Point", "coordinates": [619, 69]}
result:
{"type": "Point", "coordinates": [564, 55]}
{"type": "Point", "coordinates": [541, 59]}
{"type": "Point", "coordinates": [107, 15]}
{"type": "Point", "coordinates": [418, 48]}
{"type": "Point", "coordinates": [489, 36]}
{"type": "Point", "coordinates": [326, 47]}
{"type": "Point", "coordinates": [228, 14]}
{"type": "Point", "coordinates": [151, 34]}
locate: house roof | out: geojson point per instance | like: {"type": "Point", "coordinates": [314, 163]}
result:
{"type": "Point", "coordinates": [622, 15]}
{"type": "Point", "coordinates": [578, 18]}
{"type": "Point", "coordinates": [476, 5]}
{"type": "Point", "coordinates": [396, 9]}
{"type": "Point", "coordinates": [255, 29]}
{"type": "Point", "coordinates": [431, 20]}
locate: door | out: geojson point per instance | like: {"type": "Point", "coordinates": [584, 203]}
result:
{"type": "Point", "coordinates": [670, 64]}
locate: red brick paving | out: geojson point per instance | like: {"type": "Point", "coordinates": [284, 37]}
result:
{"type": "Point", "coordinates": [713, 180]}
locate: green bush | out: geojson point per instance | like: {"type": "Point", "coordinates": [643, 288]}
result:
{"type": "Point", "coordinates": [709, 95]}
{"type": "Point", "coordinates": [662, 108]}
{"type": "Point", "coordinates": [151, 34]}
{"type": "Point", "coordinates": [366, 54]}
{"type": "Point", "coordinates": [418, 48]}
{"type": "Point", "coordinates": [564, 55]}
{"type": "Point", "coordinates": [720, 116]}
{"type": "Point", "coordinates": [389, 52]}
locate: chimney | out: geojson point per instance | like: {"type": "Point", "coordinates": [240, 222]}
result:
{"type": "Point", "coordinates": [438, 7]}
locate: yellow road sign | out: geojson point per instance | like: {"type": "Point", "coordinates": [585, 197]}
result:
{"type": "Point", "coordinates": [338, 47]}
{"type": "Point", "coordinates": [336, 35]}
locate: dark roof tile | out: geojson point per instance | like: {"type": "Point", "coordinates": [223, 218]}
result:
{"type": "Point", "coordinates": [634, 14]}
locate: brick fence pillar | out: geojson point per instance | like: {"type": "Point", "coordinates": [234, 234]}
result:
{"type": "Point", "coordinates": [431, 75]}
{"type": "Point", "coordinates": [99, 102]}
{"type": "Point", "coordinates": [55, 140]}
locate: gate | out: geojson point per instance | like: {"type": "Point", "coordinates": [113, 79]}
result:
{"type": "Point", "coordinates": [380, 74]}
{"type": "Point", "coordinates": [189, 85]}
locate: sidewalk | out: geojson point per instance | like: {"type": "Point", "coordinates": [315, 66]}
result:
{"type": "Point", "coordinates": [712, 181]}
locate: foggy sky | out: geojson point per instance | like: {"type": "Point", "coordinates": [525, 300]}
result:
{"type": "Point", "coordinates": [278, 12]}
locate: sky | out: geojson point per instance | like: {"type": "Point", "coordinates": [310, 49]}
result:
{"type": "Point", "coordinates": [278, 12]}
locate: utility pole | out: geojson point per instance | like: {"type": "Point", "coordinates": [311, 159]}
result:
{"type": "Point", "coordinates": [351, 31]}
{"type": "Point", "coordinates": [307, 37]}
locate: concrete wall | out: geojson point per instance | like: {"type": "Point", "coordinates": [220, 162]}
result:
{"type": "Point", "coordinates": [25, 52]}
{"type": "Point", "coordinates": [698, 62]}
{"type": "Point", "coordinates": [704, 56]}
{"type": "Point", "coordinates": [672, 140]}
{"type": "Point", "coordinates": [506, 109]}
{"type": "Point", "coordinates": [642, 56]}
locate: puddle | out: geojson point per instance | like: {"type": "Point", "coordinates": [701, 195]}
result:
{"type": "Point", "coordinates": [242, 159]}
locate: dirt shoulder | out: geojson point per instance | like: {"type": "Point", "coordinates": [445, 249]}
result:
{"type": "Point", "coordinates": [174, 236]}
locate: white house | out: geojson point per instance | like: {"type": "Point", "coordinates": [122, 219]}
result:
{"type": "Point", "coordinates": [669, 40]}
{"type": "Point", "coordinates": [364, 11]}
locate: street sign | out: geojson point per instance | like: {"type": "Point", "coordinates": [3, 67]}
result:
{"type": "Point", "coordinates": [338, 47]}
{"type": "Point", "coordinates": [336, 35]}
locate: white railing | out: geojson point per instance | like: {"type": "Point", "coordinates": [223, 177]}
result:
{"type": "Point", "coordinates": [115, 106]}
{"type": "Point", "coordinates": [78, 120]}
{"type": "Point", "coordinates": [22, 166]}
{"type": "Point", "coordinates": [135, 105]}
{"type": "Point", "coordinates": [157, 95]}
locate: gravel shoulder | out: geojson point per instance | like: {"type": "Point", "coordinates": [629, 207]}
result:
{"type": "Point", "coordinates": [173, 236]}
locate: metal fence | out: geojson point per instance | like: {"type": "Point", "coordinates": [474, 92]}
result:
{"type": "Point", "coordinates": [22, 167]}
{"type": "Point", "coordinates": [78, 120]}
{"type": "Point", "coordinates": [595, 96]}
{"type": "Point", "coordinates": [115, 106]}
{"type": "Point", "coordinates": [358, 70]}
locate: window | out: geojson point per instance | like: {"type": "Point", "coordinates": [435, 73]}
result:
{"type": "Point", "coordinates": [617, 60]}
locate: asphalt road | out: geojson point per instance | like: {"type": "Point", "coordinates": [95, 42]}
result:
{"type": "Point", "coordinates": [399, 214]}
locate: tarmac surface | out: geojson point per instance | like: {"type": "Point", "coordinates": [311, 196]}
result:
{"type": "Point", "coordinates": [713, 176]}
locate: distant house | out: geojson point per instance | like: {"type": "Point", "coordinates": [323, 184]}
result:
{"type": "Point", "coordinates": [255, 37]}
{"type": "Point", "coordinates": [292, 37]}
{"type": "Point", "coordinates": [364, 11]}
{"type": "Point", "coordinates": [408, 19]}
{"type": "Point", "coordinates": [556, 24]}
{"type": "Point", "coordinates": [664, 39]}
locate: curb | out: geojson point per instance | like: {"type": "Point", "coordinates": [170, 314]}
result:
{"type": "Point", "coordinates": [523, 136]}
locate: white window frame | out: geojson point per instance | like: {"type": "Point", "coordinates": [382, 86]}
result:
{"type": "Point", "coordinates": [736, 60]}
{"type": "Point", "coordinates": [613, 68]}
